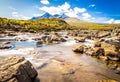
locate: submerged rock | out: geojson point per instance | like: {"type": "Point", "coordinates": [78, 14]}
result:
{"type": "Point", "coordinates": [17, 69]}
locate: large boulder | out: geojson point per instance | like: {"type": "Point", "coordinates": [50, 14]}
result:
{"type": "Point", "coordinates": [17, 69]}
{"type": "Point", "coordinates": [110, 50]}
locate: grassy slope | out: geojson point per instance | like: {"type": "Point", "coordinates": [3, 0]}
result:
{"type": "Point", "coordinates": [51, 24]}
{"type": "Point", "coordinates": [90, 25]}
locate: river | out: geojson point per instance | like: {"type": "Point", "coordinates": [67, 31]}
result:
{"type": "Point", "coordinates": [58, 63]}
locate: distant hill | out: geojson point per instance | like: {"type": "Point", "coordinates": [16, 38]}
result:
{"type": "Point", "coordinates": [51, 24]}
{"type": "Point", "coordinates": [81, 24]}
{"type": "Point", "coordinates": [33, 25]}
{"type": "Point", "coordinates": [47, 15]}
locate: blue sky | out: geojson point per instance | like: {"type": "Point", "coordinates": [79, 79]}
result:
{"type": "Point", "coordinates": [102, 11]}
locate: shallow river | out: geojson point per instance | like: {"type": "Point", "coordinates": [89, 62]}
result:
{"type": "Point", "coordinates": [58, 63]}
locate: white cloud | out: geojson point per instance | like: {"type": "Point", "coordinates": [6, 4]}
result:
{"type": "Point", "coordinates": [46, 2]}
{"type": "Point", "coordinates": [86, 15]}
{"type": "Point", "coordinates": [16, 15]}
{"type": "Point", "coordinates": [92, 5]}
{"type": "Point", "coordinates": [110, 21]}
{"type": "Point", "coordinates": [52, 10]}
{"type": "Point", "coordinates": [81, 13]}
{"type": "Point", "coordinates": [117, 21]}
{"type": "Point", "coordinates": [65, 8]}
{"type": "Point", "coordinates": [37, 15]}
{"type": "Point", "coordinates": [79, 10]}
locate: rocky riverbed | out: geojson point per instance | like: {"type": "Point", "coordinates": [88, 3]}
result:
{"type": "Point", "coordinates": [52, 56]}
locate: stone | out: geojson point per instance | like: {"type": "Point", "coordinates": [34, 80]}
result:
{"type": "Point", "coordinates": [111, 51]}
{"type": "Point", "coordinates": [98, 51]}
{"type": "Point", "coordinates": [5, 45]}
{"type": "Point", "coordinates": [16, 69]}
{"type": "Point", "coordinates": [118, 69]}
{"type": "Point", "coordinates": [105, 58]}
{"type": "Point", "coordinates": [39, 43]}
{"type": "Point", "coordinates": [80, 39]}
{"type": "Point", "coordinates": [97, 44]}
{"type": "Point", "coordinates": [103, 34]}
{"type": "Point", "coordinates": [79, 49]}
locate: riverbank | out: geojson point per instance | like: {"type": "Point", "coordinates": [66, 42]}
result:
{"type": "Point", "coordinates": [54, 59]}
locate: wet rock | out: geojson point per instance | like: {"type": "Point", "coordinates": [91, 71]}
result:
{"type": "Point", "coordinates": [5, 45]}
{"type": "Point", "coordinates": [118, 69]}
{"type": "Point", "coordinates": [80, 39]}
{"type": "Point", "coordinates": [17, 38]}
{"type": "Point", "coordinates": [39, 43]}
{"type": "Point", "coordinates": [97, 44]}
{"type": "Point", "coordinates": [16, 69]}
{"type": "Point", "coordinates": [11, 34]}
{"type": "Point", "coordinates": [63, 39]}
{"type": "Point", "coordinates": [111, 51]}
{"type": "Point", "coordinates": [105, 58]}
{"type": "Point", "coordinates": [79, 49]}
{"type": "Point", "coordinates": [98, 51]}
{"type": "Point", "coordinates": [89, 52]}
{"type": "Point", "coordinates": [103, 34]}
{"type": "Point", "coordinates": [114, 58]}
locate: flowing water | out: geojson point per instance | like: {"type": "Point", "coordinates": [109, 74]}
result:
{"type": "Point", "coordinates": [58, 63]}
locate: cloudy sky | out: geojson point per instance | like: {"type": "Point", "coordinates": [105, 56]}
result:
{"type": "Point", "coordinates": [102, 11]}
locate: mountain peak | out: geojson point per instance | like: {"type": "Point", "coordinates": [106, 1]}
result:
{"type": "Point", "coordinates": [47, 15]}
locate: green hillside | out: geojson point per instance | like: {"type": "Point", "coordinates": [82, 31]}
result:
{"type": "Point", "coordinates": [80, 24]}
{"type": "Point", "coordinates": [51, 24]}
{"type": "Point", "coordinates": [30, 25]}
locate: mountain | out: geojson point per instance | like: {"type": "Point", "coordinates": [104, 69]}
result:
{"type": "Point", "coordinates": [81, 24]}
{"type": "Point", "coordinates": [47, 15]}
{"type": "Point", "coordinates": [63, 16]}
{"type": "Point", "coordinates": [77, 22]}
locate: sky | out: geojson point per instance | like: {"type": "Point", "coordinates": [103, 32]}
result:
{"type": "Point", "coordinates": [100, 11]}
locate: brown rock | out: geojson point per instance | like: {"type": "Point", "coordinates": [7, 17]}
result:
{"type": "Point", "coordinates": [98, 51]}
{"type": "Point", "coordinates": [80, 39]}
{"type": "Point", "coordinates": [79, 49]}
{"type": "Point", "coordinates": [39, 43]}
{"type": "Point", "coordinates": [103, 34]}
{"type": "Point", "coordinates": [97, 44]}
{"type": "Point", "coordinates": [16, 69]}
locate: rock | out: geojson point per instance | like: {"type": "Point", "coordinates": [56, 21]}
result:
{"type": "Point", "coordinates": [79, 49]}
{"type": "Point", "coordinates": [5, 45]}
{"type": "Point", "coordinates": [89, 52]}
{"type": "Point", "coordinates": [118, 69]}
{"type": "Point", "coordinates": [17, 38]}
{"type": "Point", "coordinates": [97, 44]}
{"type": "Point", "coordinates": [114, 58]}
{"type": "Point", "coordinates": [103, 34]}
{"type": "Point", "coordinates": [98, 51]}
{"type": "Point", "coordinates": [39, 43]}
{"type": "Point", "coordinates": [80, 39]}
{"type": "Point", "coordinates": [16, 69]}
{"type": "Point", "coordinates": [105, 58]}
{"type": "Point", "coordinates": [111, 51]}
{"type": "Point", "coordinates": [63, 39]}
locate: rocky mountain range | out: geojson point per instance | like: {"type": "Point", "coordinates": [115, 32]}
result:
{"type": "Point", "coordinates": [47, 15]}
